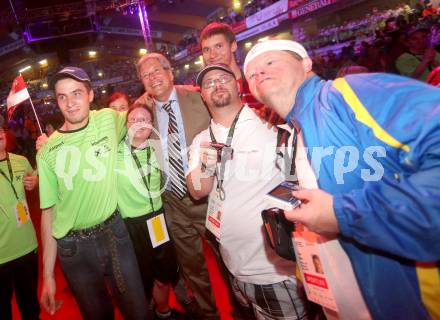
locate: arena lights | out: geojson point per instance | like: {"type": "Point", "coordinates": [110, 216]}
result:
{"type": "Point", "coordinates": [44, 85]}
{"type": "Point", "coordinates": [142, 51]}
{"type": "Point", "coordinates": [186, 66]}
{"type": "Point", "coordinates": [24, 69]}
{"type": "Point", "coordinates": [236, 5]}
{"type": "Point", "coordinates": [247, 45]}
{"type": "Point", "coordinates": [43, 62]}
{"type": "Point", "coordinates": [100, 74]}
{"type": "Point", "coordinates": [92, 54]}
{"type": "Point", "coordinates": [199, 61]}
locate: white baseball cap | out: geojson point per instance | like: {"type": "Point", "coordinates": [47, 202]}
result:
{"type": "Point", "coordinates": [274, 45]}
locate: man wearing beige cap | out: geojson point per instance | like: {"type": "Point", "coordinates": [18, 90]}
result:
{"type": "Point", "coordinates": [373, 143]}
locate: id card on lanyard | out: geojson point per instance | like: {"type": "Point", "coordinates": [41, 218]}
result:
{"type": "Point", "coordinates": [21, 209]}
{"type": "Point", "coordinates": [157, 227]}
{"type": "Point", "coordinates": [217, 198]}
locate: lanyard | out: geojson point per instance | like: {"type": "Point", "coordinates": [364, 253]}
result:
{"type": "Point", "coordinates": [138, 164]}
{"type": "Point", "coordinates": [289, 160]}
{"type": "Point", "coordinates": [11, 176]}
{"type": "Point", "coordinates": [220, 172]}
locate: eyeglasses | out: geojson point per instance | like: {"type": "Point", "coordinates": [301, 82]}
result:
{"type": "Point", "coordinates": [139, 120]}
{"type": "Point", "coordinates": [155, 72]}
{"type": "Point", "coordinates": [225, 78]}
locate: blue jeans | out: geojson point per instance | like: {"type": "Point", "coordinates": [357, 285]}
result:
{"type": "Point", "coordinates": [101, 261]}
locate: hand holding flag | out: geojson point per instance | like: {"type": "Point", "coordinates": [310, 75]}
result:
{"type": "Point", "coordinates": [17, 95]}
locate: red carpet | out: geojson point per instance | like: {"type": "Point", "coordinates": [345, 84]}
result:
{"type": "Point", "coordinates": [69, 309]}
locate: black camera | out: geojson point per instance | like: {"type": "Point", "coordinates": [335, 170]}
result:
{"type": "Point", "coordinates": [222, 151]}
{"type": "Point", "coordinates": [278, 231]}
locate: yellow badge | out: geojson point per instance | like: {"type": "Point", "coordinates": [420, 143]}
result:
{"type": "Point", "coordinates": [22, 213]}
{"type": "Point", "coordinates": [157, 229]}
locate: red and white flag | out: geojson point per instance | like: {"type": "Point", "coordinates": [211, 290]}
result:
{"type": "Point", "coordinates": [17, 95]}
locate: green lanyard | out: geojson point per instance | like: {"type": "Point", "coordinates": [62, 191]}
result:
{"type": "Point", "coordinates": [220, 172]}
{"type": "Point", "coordinates": [11, 176]}
{"type": "Point", "coordinates": [142, 173]}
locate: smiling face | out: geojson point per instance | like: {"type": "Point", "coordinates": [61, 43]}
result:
{"type": "Point", "coordinates": [157, 80]}
{"type": "Point", "coordinates": [217, 49]}
{"type": "Point", "coordinates": [219, 89]}
{"type": "Point", "coordinates": [275, 76]}
{"type": "Point", "coordinates": [139, 126]}
{"type": "Point", "coordinates": [73, 99]}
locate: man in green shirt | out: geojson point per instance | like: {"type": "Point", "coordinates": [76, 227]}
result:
{"type": "Point", "coordinates": [18, 244]}
{"type": "Point", "coordinates": [78, 198]}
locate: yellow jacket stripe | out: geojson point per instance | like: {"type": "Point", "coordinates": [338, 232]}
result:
{"type": "Point", "coordinates": [363, 116]}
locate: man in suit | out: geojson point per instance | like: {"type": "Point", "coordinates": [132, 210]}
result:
{"type": "Point", "coordinates": [179, 115]}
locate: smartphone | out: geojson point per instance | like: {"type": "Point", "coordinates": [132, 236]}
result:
{"type": "Point", "coordinates": [281, 196]}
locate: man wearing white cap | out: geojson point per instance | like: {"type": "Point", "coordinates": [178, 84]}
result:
{"type": "Point", "coordinates": [236, 185]}
{"type": "Point", "coordinates": [374, 146]}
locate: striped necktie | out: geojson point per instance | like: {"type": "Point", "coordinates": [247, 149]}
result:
{"type": "Point", "coordinates": [176, 173]}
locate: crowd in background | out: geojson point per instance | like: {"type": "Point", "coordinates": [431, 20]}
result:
{"type": "Point", "coordinates": [231, 17]}
{"type": "Point", "coordinates": [374, 42]}
{"type": "Point", "coordinates": [370, 44]}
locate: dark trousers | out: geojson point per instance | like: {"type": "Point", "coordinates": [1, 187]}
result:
{"type": "Point", "coordinates": [186, 223]}
{"type": "Point", "coordinates": [20, 275]}
{"type": "Point", "coordinates": [102, 261]}
{"type": "Point", "coordinates": [158, 263]}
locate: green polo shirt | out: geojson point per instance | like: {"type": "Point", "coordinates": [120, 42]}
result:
{"type": "Point", "coordinates": [77, 172]}
{"type": "Point", "coordinates": [16, 240]}
{"type": "Point", "coordinates": [133, 195]}
{"type": "Point", "coordinates": [407, 63]}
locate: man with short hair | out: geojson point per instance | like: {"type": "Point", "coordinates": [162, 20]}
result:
{"type": "Point", "coordinates": [237, 181]}
{"type": "Point", "coordinates": [80, 220]}
{"type": "Point", "coordinates": [218, 44]}
{"type": "Point", "coordinates": [18, 243]}
{"type": "Point", "coordinates": [374, 145]}
{"type": "Point", "coordinates": [179, 116]}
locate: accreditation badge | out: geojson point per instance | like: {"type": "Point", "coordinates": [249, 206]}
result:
{"type": "Point", "coordinates": [22, 215]}
{"type": "Point", "coordinates": [214, 214]}
{"type": "Point", "coordinates": [316, 282]}
{"type": "Point", "coordinates": [157, 228]}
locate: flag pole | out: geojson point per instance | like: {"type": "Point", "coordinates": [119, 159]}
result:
{"type": "Point", "coordinates": [36, 117]}
{"type": "Point", "coordinates": [35, 112]}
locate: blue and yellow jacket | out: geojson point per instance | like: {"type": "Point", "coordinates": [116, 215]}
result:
{"type": "Point", "coordinates": [374, 143]}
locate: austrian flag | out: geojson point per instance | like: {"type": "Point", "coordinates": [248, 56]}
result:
{"type": "Point", "coordinates": [18, 94]}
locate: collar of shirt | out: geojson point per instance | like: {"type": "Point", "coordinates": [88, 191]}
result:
{"type": "Point", "coordinates": [173, 96]}
{"type": "Point", "coordinates": [306, 93]}
{"type": "Point", "coordinates": [246, 115]}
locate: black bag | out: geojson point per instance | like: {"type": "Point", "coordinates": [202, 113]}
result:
{"type": "Point", "coordinates": [278, 231]}
{"type": "Point", "coordinates": [277, 228]}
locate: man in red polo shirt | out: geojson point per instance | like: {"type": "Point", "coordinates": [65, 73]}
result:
{"type": "Point", "coordinates": [218, 44]}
